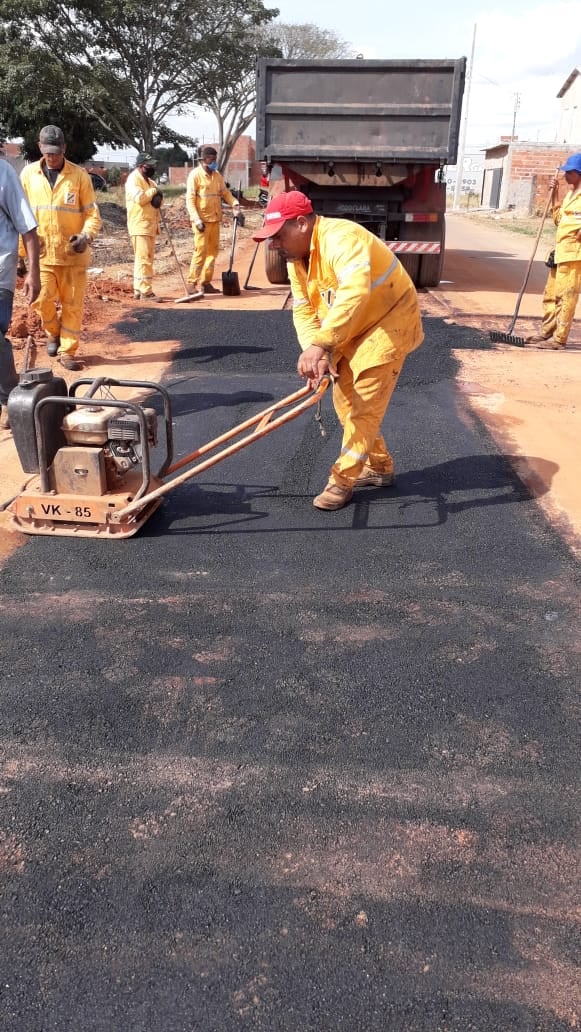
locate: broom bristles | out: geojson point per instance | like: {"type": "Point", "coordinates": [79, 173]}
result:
{"type": "Point", "coordinates": [507, 338]}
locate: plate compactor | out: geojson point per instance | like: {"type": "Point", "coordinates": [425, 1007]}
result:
{"type": "Point", "coordinates": [90, 454]}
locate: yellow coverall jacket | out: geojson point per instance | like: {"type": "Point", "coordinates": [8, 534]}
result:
{"type": "Point", "coordinates": [564, 282]}
{"type": "Point", "coordinates": [61, 212]}
{"type": "Point", "coordinates": [204, 194]}
{"type": "Point", "coordinates": [357, 301]}
{"type": "Point", "coordinates": [143, 227]}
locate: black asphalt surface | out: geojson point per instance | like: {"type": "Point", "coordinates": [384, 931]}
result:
{"type": "Point", "coordinates": [264, 767]}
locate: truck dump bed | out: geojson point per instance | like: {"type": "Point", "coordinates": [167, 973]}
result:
{"type": "Point", "coordinates": [399, 111]}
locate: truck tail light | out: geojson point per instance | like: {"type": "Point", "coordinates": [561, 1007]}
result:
{"type": "Point", "coordinates": [421, 216]}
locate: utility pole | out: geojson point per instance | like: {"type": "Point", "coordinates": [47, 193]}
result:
{"type": "Point", "coordinates": [516, 107]}
{"type": "Point", "coordinates": [462, 147]}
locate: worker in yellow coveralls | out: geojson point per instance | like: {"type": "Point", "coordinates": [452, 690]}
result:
{"type": "Point", "coordinates": [205, 191]}
{"type": "Point", "coordinates": [356, 315]}
{"type": "Point", "coordinates": [143, 199]}
{"type": "Point", "coordinates": [62, 199]}
{"type": "Point", "coordinates": [564, 280]}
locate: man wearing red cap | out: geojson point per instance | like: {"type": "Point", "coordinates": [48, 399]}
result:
{"type": "Point", "coordinates": [356, 314]}
{"type": "Point", "coordinates": [564, 280]}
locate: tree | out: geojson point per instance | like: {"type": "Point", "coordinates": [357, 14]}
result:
{"type": "Point", "coordinates": [306, 42]}
{"type": "Point", "coordinates": [167, 156]}
{"type": "Point", "coordinates": [229, 91]}
{"type": "Point", "coordinates": [127, 64]}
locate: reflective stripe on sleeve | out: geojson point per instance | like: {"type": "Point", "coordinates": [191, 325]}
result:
{"type": "Point", "coordinates": [352, 268]}
{"type": "Point", "coordinates": [386, 275]}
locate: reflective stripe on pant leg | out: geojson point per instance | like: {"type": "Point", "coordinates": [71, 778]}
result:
{"type": "Point", "coordinates": [361, 406]}
{"type": "Point", "coordinates": [197, 262]}
{"type": "Point", "coordinates": [46, 301]}
{"type": "Point", "coordinates": [212, 247]}
{"type": "Point", "coordinates": [72, 284]}
{"type": "Point", "coordinates": [569, 286]}
{"type": "Point", "coordinates": [8, 376]}
{"type": "Point", "coordinates": [144, 250]}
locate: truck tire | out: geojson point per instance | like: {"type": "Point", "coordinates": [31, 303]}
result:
{"type": "Point", "coordinates": [431, 265]}
{"type": "Point", "coordinates": [275, 267]}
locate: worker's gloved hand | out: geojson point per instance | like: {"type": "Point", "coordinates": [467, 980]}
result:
{"type": "Point", "coordinates": [21, 267]}
{"type": "Point", "coordinates": [238, 214]}
{"type": "Point", "coordinates": [79, 242]}
{"type": "Point", "coordinates": [199, 225]}
{"type": "Point", "coordinates": [157, 199]}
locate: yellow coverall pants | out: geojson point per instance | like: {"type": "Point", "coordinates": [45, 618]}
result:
{"type": "Point", "coordinates": [62, 285]}
{"type": "Point", "coordinates": [144, 250]}
{"type": "Point", "coordinates": [360, 405]}
{"type": "Point", "coordinates": [206, 247]}
{"type": "Point", "coordinates": [560, 301]}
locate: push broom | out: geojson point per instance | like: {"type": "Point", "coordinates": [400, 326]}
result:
{"type": "Point", "coordinates": [509, 337]}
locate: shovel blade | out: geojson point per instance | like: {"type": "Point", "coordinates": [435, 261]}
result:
{"type": "Point", "coordinates": [230, 284]}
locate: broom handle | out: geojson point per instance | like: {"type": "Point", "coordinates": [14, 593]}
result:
{"type": "Point", "coordinates": [532, 257]}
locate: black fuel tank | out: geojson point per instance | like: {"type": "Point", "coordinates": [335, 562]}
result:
{"type": "Point", "coordinates": [35, 384]}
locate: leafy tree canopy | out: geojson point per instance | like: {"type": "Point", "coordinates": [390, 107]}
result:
{"type": "Point", "coordinates": [120, 65]}
{"type": "Point", "coordinates": [306, 42]}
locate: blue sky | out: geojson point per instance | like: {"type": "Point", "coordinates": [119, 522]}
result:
{"type": "Point", "coordinates": [520, 48]}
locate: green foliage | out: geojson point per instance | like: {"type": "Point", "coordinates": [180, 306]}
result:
{"type": "Point", "coordinates": [119, 64]}
{"type": "Point", "coordinates": [167, 156]}
{"type": "Point", "coordinates": [113, 175]}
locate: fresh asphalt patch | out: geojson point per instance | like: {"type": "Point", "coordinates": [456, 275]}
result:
{"type": "Point", "coordinates": [265, 767]}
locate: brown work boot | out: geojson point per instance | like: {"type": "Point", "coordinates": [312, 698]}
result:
{"type": "Point", "coordinates": [69, 362]}
{"type": "Point", "coordinates": [538, 338]}
{"type": "Point", "coordinates": [333, 497]}
{"type": "Point", "coordinates": [550, 344]}
{"type": "Point", "coordinates": [209, 289]}
{"type": "Point", "coordinates": [52, 345]}
{"type": "Point", "coordinates": [372, 478]}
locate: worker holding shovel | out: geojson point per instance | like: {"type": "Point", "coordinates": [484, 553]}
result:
{"type": "Point", "coordinates": [205, 190]}
{"type": "Point", "coordinates": [564, 280]}
{"type": "Point", "coordinates": [357, 316]}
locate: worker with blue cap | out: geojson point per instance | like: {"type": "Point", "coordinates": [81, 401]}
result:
{"type": "Point", "coordinates": [564, 281]}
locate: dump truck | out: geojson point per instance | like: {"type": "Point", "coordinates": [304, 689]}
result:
{"type": "Point", "coordinates": [368, 141]}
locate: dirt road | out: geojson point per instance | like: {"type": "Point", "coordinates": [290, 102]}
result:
{"type": "Point", "coordinates": [528, 399]}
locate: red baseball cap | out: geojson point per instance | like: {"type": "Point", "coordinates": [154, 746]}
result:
{"type": "Point", "coordinates": [280, 209]}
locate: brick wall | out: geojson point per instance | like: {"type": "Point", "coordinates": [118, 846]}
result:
{"type": "Point", "coordinates": [178, 174]}
{"type": "Point", "coordinates": [532, 167]}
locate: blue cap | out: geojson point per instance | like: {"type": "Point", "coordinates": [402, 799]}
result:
{"type": "Point", "coordinates": [572, 164]}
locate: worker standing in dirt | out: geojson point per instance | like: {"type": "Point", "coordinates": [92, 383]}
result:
{"type": "Point", "coordinates": [205, 191]}
{"type": "Point", "coordinates": [143, 199]}
{"type": "Point", "coordinates": [564, 280]}
{"type": "Point", "coordinates": [357, 316]}
{"type": "Point", "coordinates": [16, 219]}
{"type": "Point", "coordinates": [62, 199]}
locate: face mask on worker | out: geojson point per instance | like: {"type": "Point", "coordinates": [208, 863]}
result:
{"type": "Point", "coordinates": [148, 171]}
{"type": "Point", "coordinates": [212, 166]}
